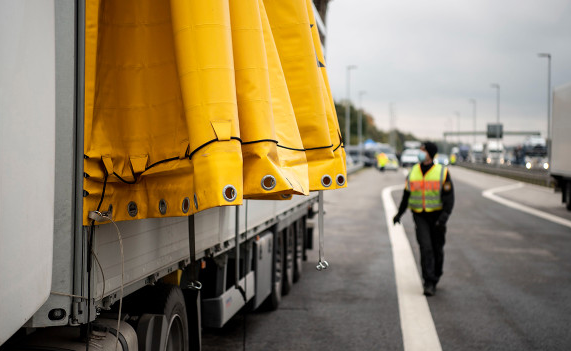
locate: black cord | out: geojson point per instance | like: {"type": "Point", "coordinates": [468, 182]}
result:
{"type": "Point", "coordinates": [191, 154]}
{"type": "Point", "coordinates": [319, 147]}
{"type": "Point", "coordinates": [259, 141]}
{"type": "Point", "coordinates": [338, 146]}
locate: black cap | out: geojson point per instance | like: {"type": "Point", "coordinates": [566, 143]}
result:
{"type": "Point", "coordinates": [430, 148]}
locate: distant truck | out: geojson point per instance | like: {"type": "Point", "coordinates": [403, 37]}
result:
{"type": "Point", "coordinates": [477, 153]}
{"type": "Point", "coordinates": [412, 144]}
{"type": "Point", "coordinates": [535, 153]}
{"type": "Point", "coordinates": [494, 152]}
{"type": "Point", "coordinates": [464, 152]}
{"type": "Point", "coordinates": [561, 142]}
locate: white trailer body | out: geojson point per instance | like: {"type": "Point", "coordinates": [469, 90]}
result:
{"type": "Point", "coordinates": [560, 163]}
{"type": "Point", "coordinates": [27, 98]}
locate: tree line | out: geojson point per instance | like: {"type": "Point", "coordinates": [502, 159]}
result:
{"type": "Point", "coordinates": [370, 130]}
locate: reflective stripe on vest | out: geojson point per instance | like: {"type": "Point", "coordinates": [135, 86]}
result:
{"type": "Point", "coordinates": [425, 190]}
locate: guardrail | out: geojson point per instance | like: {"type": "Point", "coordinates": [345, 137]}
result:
{"type": "Point", "coordinates": [522, 174]}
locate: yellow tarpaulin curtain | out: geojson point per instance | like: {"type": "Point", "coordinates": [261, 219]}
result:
{"type": "Point", "coordinates": [289, 21]}
{"type": "Point", "coordinates": [190, 104]}
{"type": "Point", "coordinates": [134, 117]}
{"type": "Point", "coordinates": [160, 109]}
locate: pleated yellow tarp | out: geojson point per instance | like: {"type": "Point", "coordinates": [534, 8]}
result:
{"type": "Point", "coordinates": [189, 106]}
{"type": "Point", "coordinates": [330, 112]}
{"type": "Point", "coordinates": [292, 33]}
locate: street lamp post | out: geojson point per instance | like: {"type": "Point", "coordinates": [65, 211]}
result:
{"type": "Point", "coordinates": [347, 140]}
{"type": "Point", "coordinates": [497, 86]}
{"type": "Point", "coordinates": [360, 125]}
{"type": "Point", "coordinates": [392, 127]}
{"type": "Point", "coordinates": [458, 125]}
{"type": "Point", "coordinates": [473, 101]}
{"type": "Point", "coordinates": [548, 106]}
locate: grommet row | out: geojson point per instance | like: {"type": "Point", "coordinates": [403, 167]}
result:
{"type": "Point", "coordinates": [229, 193]}
{"type": "Point", "coordinates": [133, 209]}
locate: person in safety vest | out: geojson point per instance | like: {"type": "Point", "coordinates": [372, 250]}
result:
{"type": "Point", "coordinates": [430, 196]}
{"type": "Point", "coordinates": [382, 161]}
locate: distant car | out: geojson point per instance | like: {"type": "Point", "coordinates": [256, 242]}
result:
{"type": "Point", "coordinates": [365, 160]}
{"type": "Point", "coordinates": [392, 163]}
{"type": "Point", "coordinates": [441, 159]}
{"type": "Point", "coordinates": [409, 157]}
{"type": "Point", "coordinates": [349, 159]}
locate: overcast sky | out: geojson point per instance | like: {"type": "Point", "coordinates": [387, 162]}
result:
{"type": "Point", "coordinates": [429, 58]}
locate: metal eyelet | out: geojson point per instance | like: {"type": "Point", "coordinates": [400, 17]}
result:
{"type": "Point", "coordinates": [326, 181]}
{"type": "Point", "coordinates": [230, 193]}
{"type": "Point", "coordinates": [286, 196]}
{"type": "Point", "coordinates": [340, 179]}
{"type": "Point", "coordinates": [185, 205]}
{"type": "Point", "coordinates": [132, 209]}
{"type": "Point", "coordinates": [195, 201]}
{"type": "Point", "coordinates": [162, 206]}
{"type": "Point", "coordinates": [268, 182]}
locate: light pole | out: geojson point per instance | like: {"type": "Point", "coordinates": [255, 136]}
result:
{"type": "Point", "coordinates": [548, 106]}
{"type": "Point", "coordinates": [497, 86]}
{"type": "Point", "coordinates": [347, 107]}
{"type": "Point", "coordinates": [473, 101]}
{"type": "Point", "coordinates": [458, 125]}
{"type": "Point", "coordinates": [392, 127]}
{"type": "Point", "coordinates": [360, 125]}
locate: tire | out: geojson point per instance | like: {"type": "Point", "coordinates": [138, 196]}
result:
{"type": "Point", "coordinates": [299, 245]}
{"type": "Point", "coordinates": [169, 300]}
{"type": "Point", "coordinates": [289, 251]}
{"type": "Point", "coordinates": [568, 196]}
{"type": "Point", "coordinates": [273, 301]}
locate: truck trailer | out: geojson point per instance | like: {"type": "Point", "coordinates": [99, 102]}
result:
{"type": "Point", "coordinates": [161, 164]}
{"type": "Point", "coordinates": [560, 163]}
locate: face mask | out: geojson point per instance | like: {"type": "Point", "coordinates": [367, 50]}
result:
{"type": "Point", "coordinates": [422, 156]}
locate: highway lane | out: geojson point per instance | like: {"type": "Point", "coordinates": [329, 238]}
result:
{"type": "Point", "coordinates": [506, 283]}
{"type": "Point", "coordinates": [507, 279]}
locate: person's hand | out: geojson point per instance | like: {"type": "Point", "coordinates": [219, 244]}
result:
{"type": "Point", "coordinates": [440, 226]}
{"type": "Point", "coordinates": [396, 219]}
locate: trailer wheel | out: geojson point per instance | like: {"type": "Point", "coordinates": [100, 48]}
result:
{"type": "Point", "coordinates": [299, 245]}
{"type": "Point", "coordinates": [169, 300]}
{"type": "Point", "coordinates": [568, 196]}
{"type": "Point", "coordinates": [273, 301]}
{"type": "Point", "coordinates": [289, 251]}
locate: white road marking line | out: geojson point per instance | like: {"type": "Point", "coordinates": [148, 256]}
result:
{"type": "Point", "coordinates": [491, 194]}
{"type": "Point", "coordinates": [418, 330]}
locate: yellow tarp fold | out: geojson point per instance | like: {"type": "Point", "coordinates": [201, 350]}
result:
{"type": "Point", "coordinates": [263, 173]}
{"type": "Point", "coordinates": [291, 29]}
{"type": "Point", "coordinates": [330, 112]}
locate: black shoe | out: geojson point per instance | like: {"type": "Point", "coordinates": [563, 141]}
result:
{"type": "Point", "coordinates": [429, 289]}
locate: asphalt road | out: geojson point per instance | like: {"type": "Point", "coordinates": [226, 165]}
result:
{"type": "Point", "coordinates": [506, 282]}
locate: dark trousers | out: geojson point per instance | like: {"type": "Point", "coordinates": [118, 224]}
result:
{"type": "Point", "coordinates": [431, 241]}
